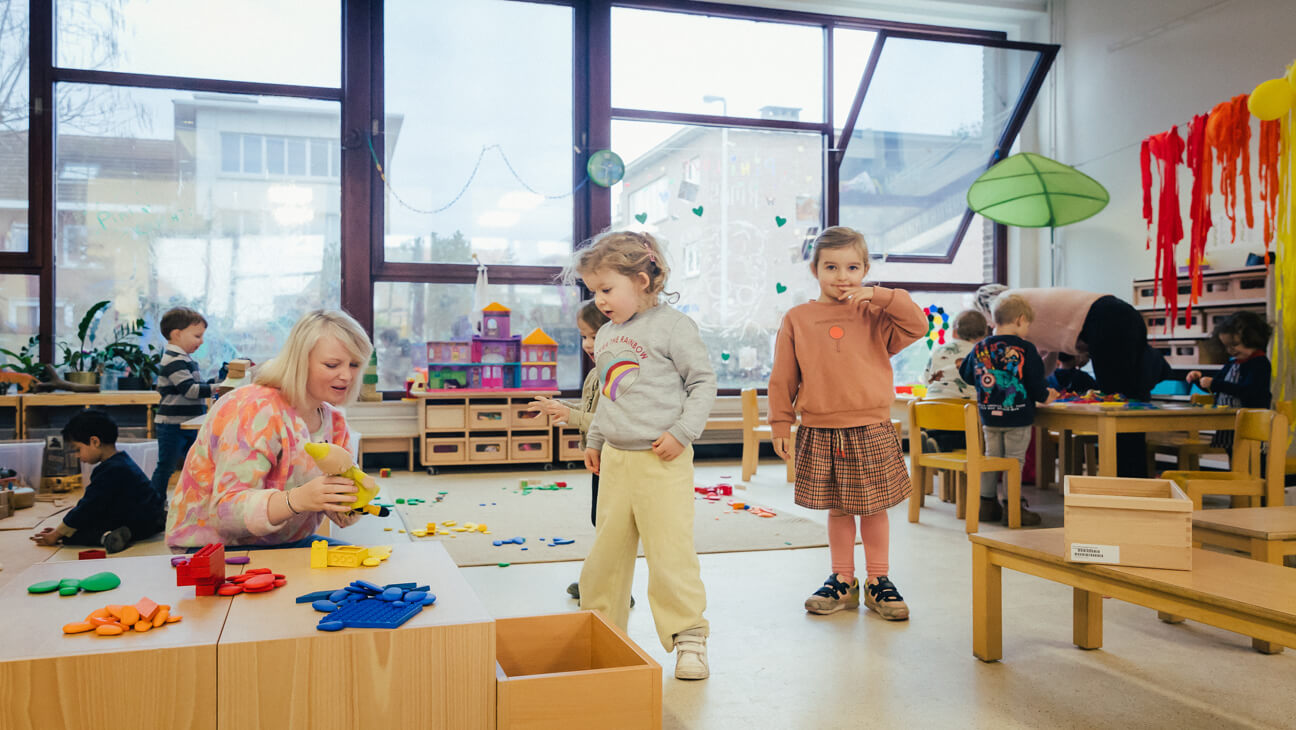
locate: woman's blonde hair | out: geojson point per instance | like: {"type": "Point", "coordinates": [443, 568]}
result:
{"type": "Point", "coordinates": [840, 237]}
{"type": "Point", "coordinates": [628, 253]}
{"type": "Point", "coordinates": [289, 370]}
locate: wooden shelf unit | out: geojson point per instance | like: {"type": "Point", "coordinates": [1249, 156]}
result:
{"type": "Point", "coordinates": [42, 414]}
{"type": "Point", "coordinates": [10, 417]}
{"type": "Point", "coordinates": [460, 427]}
{"type": "Point", "coordinates": [1225, 291]}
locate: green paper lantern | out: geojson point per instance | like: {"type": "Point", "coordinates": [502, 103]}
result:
{"type": "Point", "coordinates": [1031, 191]}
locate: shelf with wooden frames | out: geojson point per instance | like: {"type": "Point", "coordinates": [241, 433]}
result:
{"type": "Point", "coordinates": [42, 414]}
{"type": "Point", "coordinates": [10, 417]}
{"type": "Point", "coordinates": [1189, 345]}
{"type": "Point", "coordinates": [460, 427]}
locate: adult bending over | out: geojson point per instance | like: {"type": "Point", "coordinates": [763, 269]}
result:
{"type": "Point", "coordinates": [1114, 336]}
{"type": "Point", "coordinates": [248, 480]}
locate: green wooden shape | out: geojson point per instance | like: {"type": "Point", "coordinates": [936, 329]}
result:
{"type": "Point", "coordinates": [100, 582]}
{"type": "Point", "coordinates": [69, 590]}
{"type": "Point", "coordinates": [45, 586]}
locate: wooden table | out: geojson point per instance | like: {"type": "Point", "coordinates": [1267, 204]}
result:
{"type": "Point", "coordinates": [276, 670]}
{"type": "Point", "coordinates": [1232, 593]}
{"type": "Point", "coordinates": [165, 678]}
{"type": "Point", "coordinates": [1107, 422]}
{"type": "Point", "coordinates": [1264, 533]}
{"type": "Point", "coordinates": [193, 424]}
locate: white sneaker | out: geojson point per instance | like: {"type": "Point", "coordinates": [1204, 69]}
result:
{"type": "Point", "coordinates": [691, 656]}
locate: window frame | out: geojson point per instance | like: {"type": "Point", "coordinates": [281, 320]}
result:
{"type": "Point", "coordinates": [361, 102]}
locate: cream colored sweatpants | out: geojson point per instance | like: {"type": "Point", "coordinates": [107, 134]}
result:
{"type": "Point", "coordinates": [644, 498]}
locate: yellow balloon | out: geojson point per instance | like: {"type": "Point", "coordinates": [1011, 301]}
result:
{"type": "Point", "coordinates": [1270, 100]}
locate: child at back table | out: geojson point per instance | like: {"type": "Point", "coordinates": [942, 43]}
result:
{"type": "Point", "coordinates": [1243, 382]}
{"type": "Point", "coordinates": [942, 374]}
{"type": "Point", "coordinates": [588, 320]}
{"type": "Point", "coordinates": [832, 362]}
{"type": "Point", "coordinates": [658, 389]}
{"type": "Point", "coordinates": [1009, 376]}
{"type": "Point", "coordinates": [118, 506]}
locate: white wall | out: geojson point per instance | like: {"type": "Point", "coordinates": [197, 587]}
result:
{"type": "Point", "coordinates": [1131, 69]}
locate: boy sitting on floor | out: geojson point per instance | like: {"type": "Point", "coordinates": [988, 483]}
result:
{"type": "Point", "coordinates": [118, 505]}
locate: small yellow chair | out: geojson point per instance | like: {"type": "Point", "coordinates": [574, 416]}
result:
{"type": "Point", "coordinates": [1243, 481]}
{"type": "Point", "coordinates": [970, 464]}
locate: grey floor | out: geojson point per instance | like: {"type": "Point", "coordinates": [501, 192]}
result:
{"type": "Point", "coordinates": [774, 666]}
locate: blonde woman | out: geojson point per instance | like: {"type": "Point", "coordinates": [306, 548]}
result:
{"type": "Point", "coordinates": [248, 481]}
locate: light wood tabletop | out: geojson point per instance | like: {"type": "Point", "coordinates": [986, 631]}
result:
{"type": "Point", "coordinates": [436, 671]}
{"type": "Point", "coordinates": [1236, 594]}
{"type": "Point", "coordinates": [1107, 421]}
{"type": "Point", "coordinates": [164, 678]}
{"type": "Point", "coordinates": [1266, 523]}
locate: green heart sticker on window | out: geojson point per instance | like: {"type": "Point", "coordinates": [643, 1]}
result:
{"type": "Point", "coordinates": [724, 356]}
{"type": "Point", "coordinates": [698, 211]}
{"type": "Point", "coordinates": [641, 217]}
{"type": "Point", "coordinates": [779, 220]}
{"type": "Point", "coordinates": [778, 287]}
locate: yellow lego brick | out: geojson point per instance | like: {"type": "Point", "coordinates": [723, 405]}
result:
{"type": "Point", "coordinates": [319, 554]}
{"type": "Point", "coordinates": [448, 523]}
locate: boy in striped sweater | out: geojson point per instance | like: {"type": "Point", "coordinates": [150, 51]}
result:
{"type": "Point", "coordinates": [183, 392]}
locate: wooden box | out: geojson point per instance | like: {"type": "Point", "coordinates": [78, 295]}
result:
{"type": "Point", "coordinates": [573, 670]}
{"type": "Point", "coordinates": [569, 448]}
{"type": "Point", "coordinates": [1131, 522]}
{"type": "Point", "coordinates": [6, 508]}
{"type": "Point", "coordinates": [443, 417]}
{"type": "Point", "coordinates": [492, 417]}
{"type": "Point", "coordinates": [1250, 285]}
{"type": "Point", "coordinates": [530, 447]}
{"type": "Point", "coordinates": [521, 417]}
{"type": "Point", "coordinates": [1184, 325]}
{"type": "Point", "coordinates": [1216, 289]}
{"type": "Point", "coordinates": [488, 448]}
{"type": "Point", "coordinates": [1145, 294]}
{"type": "Point", "coordinates": [444, 450]}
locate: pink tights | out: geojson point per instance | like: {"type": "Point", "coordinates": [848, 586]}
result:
{"type": "Point", "coordinates": [875, 533]}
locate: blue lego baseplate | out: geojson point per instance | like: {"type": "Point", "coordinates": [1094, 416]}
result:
{"type": "Point", "coordinates": [373, 613]}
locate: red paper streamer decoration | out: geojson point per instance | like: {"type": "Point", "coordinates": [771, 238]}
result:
{"type": "Point", "coordinates": [1267, 170]}
{"type": "Point", "coordinates": [1167, 148]}
{"type": "Point", "coordinates": [1199, 163]}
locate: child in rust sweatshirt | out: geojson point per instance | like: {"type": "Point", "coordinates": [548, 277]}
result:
{"type": "Point", "coordinates": [832, 362]}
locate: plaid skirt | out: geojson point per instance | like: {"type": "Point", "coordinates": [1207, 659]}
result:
{"type": "Point", "coordinates": [859, 470]}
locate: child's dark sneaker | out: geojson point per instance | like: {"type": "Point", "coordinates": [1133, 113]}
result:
{"type": "Point", "coordinates": [117, 540]}
{"type": "Point", "coordinates": [881, 596]}
{"type": "Point", "coordinates": [834, 596]}
{"type": "Point", "coordinates": [991, 510]}
{"type": "Point", "coordinates": [573, 590]}
{"type": "Point", "coordinates": [1028, 518]}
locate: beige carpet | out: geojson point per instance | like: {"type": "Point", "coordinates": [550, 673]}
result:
{"type": "Point", "coordinates": [31, 517]}
{"type": "Point", "coordinates": [507, 513]}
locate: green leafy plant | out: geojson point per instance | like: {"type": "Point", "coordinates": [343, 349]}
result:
{"type": "Point", "coordinates": [86, 357]}
{"type": "Point", "coordinates": [27, 359]}
{"type": "Point", "coordinates": [142, 361]}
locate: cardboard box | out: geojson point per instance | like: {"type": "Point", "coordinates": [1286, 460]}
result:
{"type": "Point", "coordinates": [1131, 522]}
{"type": "Point", "coordinates": [573, 670]}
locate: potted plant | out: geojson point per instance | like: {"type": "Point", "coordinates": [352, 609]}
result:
{"type": "Point", "coordinates": [85, 363]}
{"type": "Point", "coordinates": [143, 364]}
{"type": "Point", "coordinates": [26, 360]}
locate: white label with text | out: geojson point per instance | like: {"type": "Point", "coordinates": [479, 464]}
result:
{"type": "Point", "coordinates": [1086, 553]}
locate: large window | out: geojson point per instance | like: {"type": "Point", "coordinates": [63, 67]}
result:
{"type": "Point", "coordinates": [257, 158]}
{"type": "Point", "coordinates": [269, 41]}
{"type": "Point", "coordinates": [15, 109]}
{"type": "Point", "coordinates": [478, 132]}
{"type": "Point", "coordinates": [147, 217]}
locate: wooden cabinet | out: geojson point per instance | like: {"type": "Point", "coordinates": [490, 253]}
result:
{"type": "Point", "coordinates": [1190, 345]}
{"type": "Point", "coordinates": [484, 427]}
{"type": "Point", "coordinates": [45, 414]}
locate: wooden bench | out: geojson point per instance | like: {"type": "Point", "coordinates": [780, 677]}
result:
{"type": "Point", "coordinates": [1252, 598]}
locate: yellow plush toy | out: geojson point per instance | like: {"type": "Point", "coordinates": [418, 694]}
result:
{"type": "Point", "coordinates": [337, 461]}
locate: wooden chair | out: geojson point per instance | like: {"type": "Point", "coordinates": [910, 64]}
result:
{"type": "Point", "coordinates": [1243, 481]}
{"type": "Point", "coordinates": [1288, 409]}
{"type": "Point", "coordinates": [1187, 448]}
{"type": "Point", "coordinates": [970, 464]}
{"type": "Point", "coordinates": [754, 432]}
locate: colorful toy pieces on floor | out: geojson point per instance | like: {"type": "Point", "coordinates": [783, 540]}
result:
{"type": "Point", "coordinates": [117, 620]}
{"type": "Point", "coordinates": [346, 556]}
{"type": "Point", "coordinates": [1107, 400]}
{"type": "Point", "coordinates": [363, 605]}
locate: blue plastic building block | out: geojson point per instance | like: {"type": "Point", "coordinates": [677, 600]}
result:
{"type": "Point", "coordinates": [560, 541]}
{"type": "Point", "coordinates": [313, 597]}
